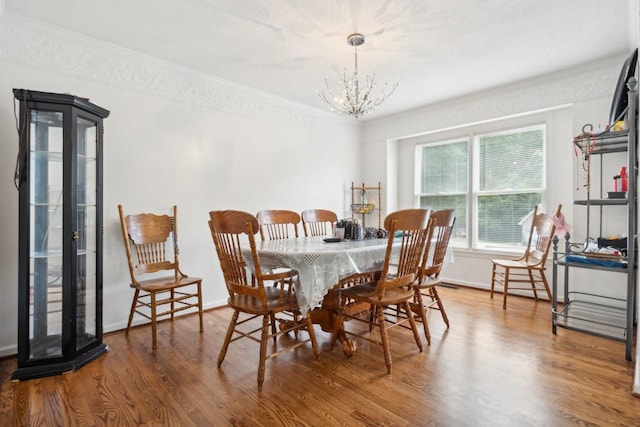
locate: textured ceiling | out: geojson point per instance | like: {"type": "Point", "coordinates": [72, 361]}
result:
{"type": "Point", "coordinates": [436, 49]}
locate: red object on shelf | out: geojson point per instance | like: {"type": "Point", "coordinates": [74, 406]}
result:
{"type": "Point", "coordinates": [624, 179]}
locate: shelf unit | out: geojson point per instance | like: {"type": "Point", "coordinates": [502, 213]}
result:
{"type": "Point", "coordinates": [590, 312]}
{"type": "Point", "coordinates": [366, 201]}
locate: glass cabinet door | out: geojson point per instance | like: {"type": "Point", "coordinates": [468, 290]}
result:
{"type": "Point", "coordinates": [46, 212]}
{"type": "Point", "coordinates": [86, 232]}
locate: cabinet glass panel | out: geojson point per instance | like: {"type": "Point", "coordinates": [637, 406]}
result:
{"type": "Point", "coordinates": [86, 232]}
{"type": "Point", "coordinates": [46, 199]}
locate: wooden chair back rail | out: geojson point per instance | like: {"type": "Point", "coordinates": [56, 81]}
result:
{"type": "Point", "coordinates": [277, 224]}
{"type": "Point", "coordinates": [411, 255]}
{"type": "Point", "coordinates": [152, 257]}
{"type": "Point", "coordinates": [151, 252]}
{"type": "Point", "coordinates": [444, 221]}
{"type": "Point", "coordinates": [229, 248]}
{"type": "Point", "coordinates": [416, 228]}
{"type": "Point", "coordinates": [230, 257]}
{"type": "Point", "coordinates": [318, 222]}
{"type": "Point", "coordinates": [277, 231]}
{"type": "Point", "coordinates": [442, 244]}
{"type": "Point", "coordinates": [317, 229]}
{"type": "Point", "coordinates": [543, 229]}
{"type": "Point", "coordinates": [149, 228]}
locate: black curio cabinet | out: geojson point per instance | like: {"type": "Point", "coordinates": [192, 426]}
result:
{"type": "Point", "coordinates": [59, 176]}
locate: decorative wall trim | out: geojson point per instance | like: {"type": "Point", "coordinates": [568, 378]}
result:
{"type": "Point", "coordinates": [43, 47]}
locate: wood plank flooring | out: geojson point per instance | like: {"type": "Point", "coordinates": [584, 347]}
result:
{"type": "Point", "coordinates": [491, 368]}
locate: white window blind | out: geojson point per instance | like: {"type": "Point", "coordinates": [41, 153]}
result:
{"type": "Point", "coordinates": [444, 182]}
{"type": "Point", "coordinates": [510, 182]}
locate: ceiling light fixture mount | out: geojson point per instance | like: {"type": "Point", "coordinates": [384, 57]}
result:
{"type": "Point", "coordinates": [354, 99]}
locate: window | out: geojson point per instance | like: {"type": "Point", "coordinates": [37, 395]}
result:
{"type": "Point", "coordinates": [507, 171]}
{"type": "Point", "coordinates": [443, 181]}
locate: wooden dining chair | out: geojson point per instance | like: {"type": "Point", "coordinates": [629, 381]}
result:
{"type": "Point", "coordinates": [278, 224]}
{"type": "Point", "coordinates": [318, 222]}
{"type": "Point", "coordinates": [393, 284]}
{"type": "Point", "coordinates": [530, 267]}
{"type": "Point", "coordinates": [154, 240]}
{"type": "Point", "coordinates": [232, 231]}
{"type": "Point", "coordinates": [426, 285]}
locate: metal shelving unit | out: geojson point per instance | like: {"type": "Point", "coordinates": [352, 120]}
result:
{"type": "Point", "coordinates": [593, 313]}
{"type": "Point", "coordinates": [366, 201]}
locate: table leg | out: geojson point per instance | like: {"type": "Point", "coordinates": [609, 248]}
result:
{"type": "Point", "coordinates": [329, 317]}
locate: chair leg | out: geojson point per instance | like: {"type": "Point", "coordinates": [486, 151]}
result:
{"type": "Point", "coordinates": [263, 349]}
{"type": "Point", "coordinates": [385, 339]}
{"type": "Point", "coordinates": [227, 338]}
{"type": "Point", "coordinates": [312, 336]}
{"type": "Point", "coordinates": [506, 288]}
{"type": "Point", "coordinates": [372, 315]}
{"type": "Point", "coordinates": [414, 327]}
{"type": "Point", "coordinates": [422, 312]}
{"type": "Point", "coordinates": [173, 299]}
{"type": "Point", "coordinates": [133, 309]}
{"type": "Point", "coordinates": [545, 284]}
{"type": "Point", "coordinates": [154, 340]}
{"type": "Point", "coordinates": [436, 297]}
{"type": "Point", "coordinates": [533, 284]}
{"type": "Point", "coordinates": [493, 279]}
{"type": "Point", "coordinates": [274, 330]}
{"type": "Point", "coordinates": [200, 306]}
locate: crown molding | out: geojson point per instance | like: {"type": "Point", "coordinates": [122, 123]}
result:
{"type": "Point", "coordinates": [34, 44]}
{"type": "Point", "coordinates": [566, 87]}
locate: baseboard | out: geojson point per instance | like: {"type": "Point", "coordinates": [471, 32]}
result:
{"type": "Point", "coordinates": [8, 350]}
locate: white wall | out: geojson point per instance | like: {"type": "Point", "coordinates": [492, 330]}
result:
{"type": "Point", "coordinates": [173, 137]}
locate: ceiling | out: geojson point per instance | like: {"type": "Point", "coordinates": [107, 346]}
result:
{"type": "Point", "coordinates": [436, 49]}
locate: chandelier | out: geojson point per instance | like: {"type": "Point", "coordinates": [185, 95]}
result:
{"type": "Point", "coordinates": [354, 98]}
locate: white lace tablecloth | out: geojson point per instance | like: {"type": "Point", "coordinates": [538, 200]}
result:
{"type": "Point", "coordinates": [319, 264]}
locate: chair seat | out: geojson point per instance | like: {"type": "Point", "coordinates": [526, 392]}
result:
{"type": "Point", "coordinates": [165, 283]}
{"type": "Point", "coordinates": [367, 292]}
{"type": "Point", "coordinates": [277, 302]}
{"type": "Point", "coordinates": [428, 282]}
{"type": "Point", "coordinates": [514, 263]}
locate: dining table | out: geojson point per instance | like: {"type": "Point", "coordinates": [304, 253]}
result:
{"type": "Point", "coordinates": [320, 263]}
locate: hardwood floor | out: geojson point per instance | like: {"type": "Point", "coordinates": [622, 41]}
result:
{"type": "Point", "coordinates": [491, 368]}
